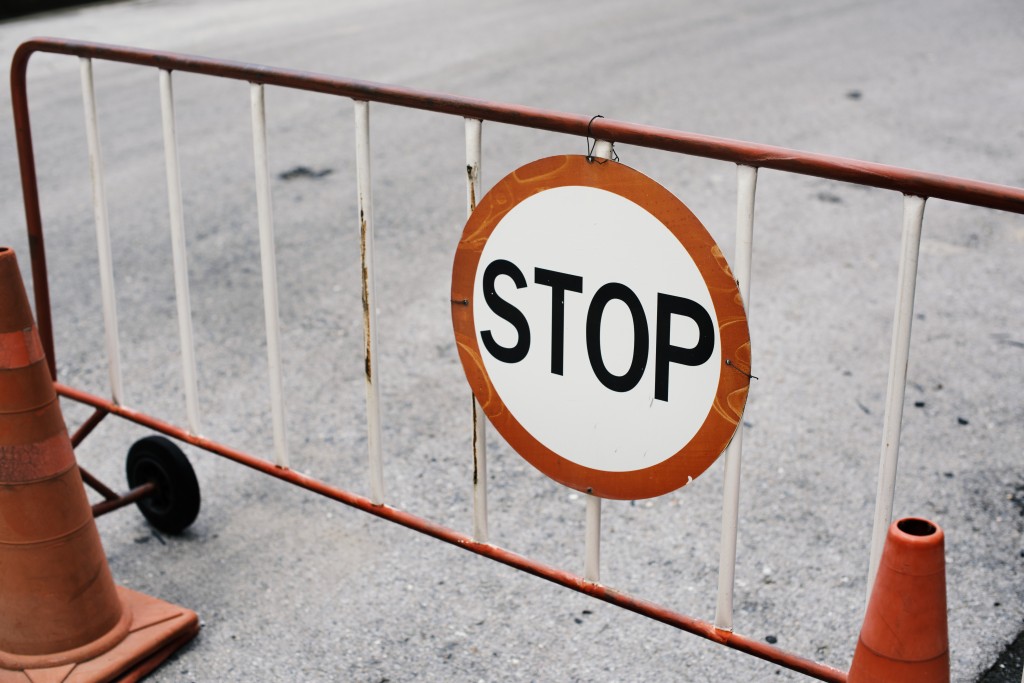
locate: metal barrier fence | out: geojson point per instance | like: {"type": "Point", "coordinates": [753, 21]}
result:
{"type": "Point", "coordinates": [917, 188]}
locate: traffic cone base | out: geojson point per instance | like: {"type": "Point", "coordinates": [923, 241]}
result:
{"type": "Point", "coordinates": [150, 632]}
{"type": "Point", "coordinates": [871, 666]}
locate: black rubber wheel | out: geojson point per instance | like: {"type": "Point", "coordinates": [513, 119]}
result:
{"type": "Point", "coordinates": [175, 503]}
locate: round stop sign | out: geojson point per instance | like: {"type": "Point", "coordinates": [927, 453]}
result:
{"type": "Point", "coordinates": [600, 327]}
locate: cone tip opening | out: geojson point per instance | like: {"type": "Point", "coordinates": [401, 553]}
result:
{"type": "Point", "coordinates": [915, 526]}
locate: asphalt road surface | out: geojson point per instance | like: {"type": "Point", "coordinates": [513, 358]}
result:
{"type": "Point", "coordinates": [294, 587]}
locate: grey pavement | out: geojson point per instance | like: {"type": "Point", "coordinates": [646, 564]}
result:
{"type": "Point", "coordinates": [294, 587]}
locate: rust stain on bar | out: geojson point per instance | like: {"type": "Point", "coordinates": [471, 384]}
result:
{"type": "Point", "coordinates": [476, 444]}
{"type": "Point", "coordinates": [471, 175]}
{"type": "Point", "coordinates": [367, 351]}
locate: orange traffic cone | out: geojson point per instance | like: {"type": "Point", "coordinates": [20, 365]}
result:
{"type": "Point", "coordinates": [904, 637]}
{"type": "Point", "coordinates": [62, 619]}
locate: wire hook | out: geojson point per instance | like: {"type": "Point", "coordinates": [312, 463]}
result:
{"type": "Point", "coordinates": [592, 146]}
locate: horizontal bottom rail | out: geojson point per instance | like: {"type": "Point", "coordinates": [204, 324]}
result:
{"type": "Point", "coordinates": [563, 578]}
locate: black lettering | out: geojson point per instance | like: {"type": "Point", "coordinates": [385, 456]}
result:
{"type": "Point", "coordinates": [506, 311]}
{"type": "Point", "coordinates": [560, 283]}
{"type": "Point", "coordinates": [665, 353]}
{"type": "Point", "coordinates": [641, 337]}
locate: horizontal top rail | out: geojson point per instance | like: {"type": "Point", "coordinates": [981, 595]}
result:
{"type": "Point", "coordinates": [907, 181]}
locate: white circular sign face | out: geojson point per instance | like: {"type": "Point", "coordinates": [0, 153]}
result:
{"type": "Point", "coordinates": [594, 238]}
{"type": "Point", "coordinates": [600, 328]}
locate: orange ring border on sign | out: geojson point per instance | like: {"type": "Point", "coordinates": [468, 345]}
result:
{"type": "Point", "coordinates": [723, 418]}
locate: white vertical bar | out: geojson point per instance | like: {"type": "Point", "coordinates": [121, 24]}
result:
{"type": "Point", "coordinates": [592, 549]}
{"type": "Point", "coordinates": [913, 217]}
{"type": "Point", "coordinates": [746, 185]}
{"type": "Point", "coordinates": [269, 265]}
{"type": "Point", "coordinates": [106, 261]}
{"type": "Point", "coordinates": [473, 190]}
{"type": "Point", "coordinates": [592, 536]}
{"type": "Point", "coordinates": [362, 122]}
{"type": "Point", "coordinates": [188, 357]}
